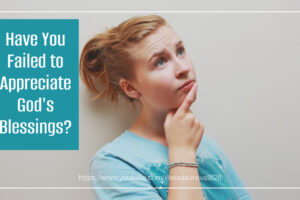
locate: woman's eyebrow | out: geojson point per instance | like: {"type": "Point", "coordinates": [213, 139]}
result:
{"type": "Point", "coordinates": [162, 51]}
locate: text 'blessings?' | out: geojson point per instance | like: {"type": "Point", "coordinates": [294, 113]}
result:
{"type": "Point", "coordinates": [25, 62]}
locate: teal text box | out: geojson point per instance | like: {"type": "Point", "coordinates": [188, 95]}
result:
{"type": "Point", "coordinates": [43, 116]}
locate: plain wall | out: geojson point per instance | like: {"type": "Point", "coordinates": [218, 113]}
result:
{"type": "Point", "coordinates": [248, 98]}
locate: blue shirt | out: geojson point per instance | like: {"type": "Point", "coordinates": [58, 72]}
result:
{"type": "Point", "coordinates": [141, 166]}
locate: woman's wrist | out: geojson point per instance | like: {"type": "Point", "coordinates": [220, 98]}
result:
{"type": "Point", "coordinates": [181, 155]}
{"type": "Point", "coordinates": [184, 164]}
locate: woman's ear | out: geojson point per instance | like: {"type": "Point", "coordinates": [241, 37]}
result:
{"type": "Point", "coordinates": [129, 88]}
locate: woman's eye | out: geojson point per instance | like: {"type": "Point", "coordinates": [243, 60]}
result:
{"type": "Point", "coordinates": [160, 62]}
{"type": "Point", "coordinates": [181, 50]}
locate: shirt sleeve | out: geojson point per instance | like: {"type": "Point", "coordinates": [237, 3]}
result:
{"type": "Point", "coordinates": [232, 174]}
{"type": "Point", "coordinates": [113, 174]}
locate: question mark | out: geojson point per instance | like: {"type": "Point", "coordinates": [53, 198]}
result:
{"type": "Point", "coordinates": [69, 125]}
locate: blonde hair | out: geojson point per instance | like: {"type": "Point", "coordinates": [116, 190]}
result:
{"type": "Point", "coordinates": [106, 57]}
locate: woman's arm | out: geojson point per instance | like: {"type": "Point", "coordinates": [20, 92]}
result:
{"type": "Point", "coordinates": [191, 174]}
{"type": "Point", "coordinates": [183, 133]}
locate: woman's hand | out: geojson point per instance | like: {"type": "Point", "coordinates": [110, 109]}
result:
{"type": "Point", "coordinates": [182, 129]}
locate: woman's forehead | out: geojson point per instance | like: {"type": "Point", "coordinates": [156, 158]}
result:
{"type": "Point", "coordinates": [163, 37]}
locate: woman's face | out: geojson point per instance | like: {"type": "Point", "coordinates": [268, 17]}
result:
{"type": "Point", "coordinates": [162, 67]}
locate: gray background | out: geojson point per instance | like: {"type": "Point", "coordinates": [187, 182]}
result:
{"type": "Point", "coordinates": [248, 98]}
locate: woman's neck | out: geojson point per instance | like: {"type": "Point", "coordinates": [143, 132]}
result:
{"type": "Point", "coordinates": [150, 124]}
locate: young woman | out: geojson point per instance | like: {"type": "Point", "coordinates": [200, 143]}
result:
{"type": "Point", "coordinates": [144, 60]}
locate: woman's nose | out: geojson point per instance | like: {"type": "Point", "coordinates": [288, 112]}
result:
{"type": "Point", "coordinates": [181, 69]}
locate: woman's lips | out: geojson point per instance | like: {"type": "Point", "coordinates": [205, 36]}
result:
{"type": "Point", "coordinates": [187, 86]}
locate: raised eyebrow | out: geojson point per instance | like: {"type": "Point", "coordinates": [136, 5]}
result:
{"type": "Point", "coordinates": [179, 43]}
{"type": "Point", "coordinates": [162, 51]}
